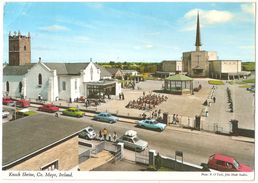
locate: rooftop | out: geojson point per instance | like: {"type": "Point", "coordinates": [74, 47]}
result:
{"type": "Point", "coordinates": [179, 77]}
{"type": "Point", "coordinates": [27, 136]}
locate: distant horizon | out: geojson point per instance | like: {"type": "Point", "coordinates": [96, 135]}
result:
{"type": "Point", "coordinates": [130, 31]}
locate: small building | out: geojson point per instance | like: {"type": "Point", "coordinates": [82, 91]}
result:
{"type": "Point", "coordinates": [169, 68]}
{"type": "Point", "coordinates": [178, 84]}
{"type": "Point", "coordinates": [116, 73]}
{"type": "Point", "coordinates": [130, 72]}
{"type": "Point", "coordinates": [41, 142]}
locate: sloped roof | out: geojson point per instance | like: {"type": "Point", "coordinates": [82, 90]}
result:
{"type": "Point", "coordinates": [26, 136]}
{"type": "Point", "coordinates": [112, 70]}
{"type": "Point", "coordinates": [103, 71]}
{"type": "Point", "coordinates": [17, 70]}
{"type": "Point", "coordinates": [179, 77]}
{"type": "Point", "coordinates": [67, 68]}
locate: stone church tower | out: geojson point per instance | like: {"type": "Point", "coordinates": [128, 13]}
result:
{"type": "Point", "coordinates": [19, 49]}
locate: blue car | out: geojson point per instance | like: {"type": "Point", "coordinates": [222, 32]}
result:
{"type": "Point", "coordinates": [151, 124]}
{"type": "Point", "coordinates": [106, 117]}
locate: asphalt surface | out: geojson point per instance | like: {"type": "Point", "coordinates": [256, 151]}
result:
{"type": "Point", "coordinates": [196, 146]}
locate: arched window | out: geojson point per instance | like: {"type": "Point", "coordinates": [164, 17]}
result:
{"type": "Point", "coordinates": [40, 79]}
{"type": "Point", "coordinates": [7, 86]}
{"type": "Point", "coordinates": [24, 48]}
{"type": "Point", "coordinates": [20, 87]}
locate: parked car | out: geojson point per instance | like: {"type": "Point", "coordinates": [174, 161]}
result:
{"type": "Point", "coordinates": [88, 133]}
{"type": "Point", "coordinates": [106, 117]}
{"type": "Point", "coordinates": [8, 101]}
{"type": "Point", "coordinates": [251, 89]}
{"type": "Point", "coordinates": [48, 108]}
{"type": "Point", "coordinates": [132, 141]}
{"type": "Point", "coordinates": [23, 103]}
{"type": "Point", "coordinates": [151, 124]}
{"type": "Point", "coordinates": [5, 114]}
{"type": "Point", "coordinates": [226, 164]}
{"type": "Point", "coordinates": [73, 112]}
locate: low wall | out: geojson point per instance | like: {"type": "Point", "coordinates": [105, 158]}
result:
{"type": "Point", "coordinates": [171, 163]}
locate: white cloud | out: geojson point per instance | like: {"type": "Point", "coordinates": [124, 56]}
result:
{"type": "Point", "coordinates": [248, 47]}
{"type": "Point", "coordinates": [82, 39]}
{"type": "Point", "coordinates": [210, 17]}
{"type": "Point", "coordinates": [53, 28]}
{"type": "Point", "coordinates": [248, 8]}
{"type": "Point", "coordinates": [145, 46]}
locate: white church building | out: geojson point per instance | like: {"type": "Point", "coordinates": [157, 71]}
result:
{"type": "Point", "coordinates": [52, 81]}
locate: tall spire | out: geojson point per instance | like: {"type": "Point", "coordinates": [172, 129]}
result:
{"type": "Point", "coordinates": [198, 43]}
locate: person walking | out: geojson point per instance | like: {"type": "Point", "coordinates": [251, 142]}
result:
{"type": "Point", "coordinates": [105, 132]}
{"type": "Point", "coordinates": [114, 136]}
{"type": "Point", "coordinates": [214, 99]}
{"type": "Point", "coordinates": [100, 135]}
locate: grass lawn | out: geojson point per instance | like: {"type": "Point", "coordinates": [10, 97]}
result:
{"type": "Point", "coordinates": [246, 81]}
{"type": "Point", "coordinates": [216, 82]}
{"type": "Point", "coordinates": [30, 113]}
{"type": "Point", "coordinates": [245, 86]}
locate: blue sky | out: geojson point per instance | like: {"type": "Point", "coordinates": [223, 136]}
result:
{"type": "Point", "coordinates": [149, 32]}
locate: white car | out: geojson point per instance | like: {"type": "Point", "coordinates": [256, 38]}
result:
{"type": "Point", "coordinates": [88, 133]}
{"type": "Point", "coordinates": [132, 141]}
{"type": "Point", "coordinates": [5, 114]}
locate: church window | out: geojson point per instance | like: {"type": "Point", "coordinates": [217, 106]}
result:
{"type": "Point", "coordinates": [91, 73]}
{"type": "Point", "coordinates": [7, 86]}
{"type": "Point", "coordinates": [20, 87]}
{"type": "Point", "coordinates": [64, 85]}
{"type": "Point", "coordinates": [40, 79]}
{"type": "Point", "coordinates": [75, 84]}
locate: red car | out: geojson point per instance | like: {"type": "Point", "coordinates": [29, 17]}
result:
{"type": "Point", "coordinates": [8, 101]}
{"type": "Point", "coordinates": [23, 103]}
{"type": "Point", "coordinates": [225, 163]}
{"type": "Point", "coordinates": [48, 108]}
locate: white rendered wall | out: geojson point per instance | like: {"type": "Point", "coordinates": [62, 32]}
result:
{"type": "Point", "coordinates": [64, 94]}
{"type": "Point", "coordinates": [13, 84]}
{"type": "Point", "coordinates": [75, 92]}
{"type": "Point", "coordinates": [86, 74]}
{"type": "Point", "coordinates": [118, 88]}
{"type": "Point", "coordinates": [230, 66]}
{"type": "Point", "coordinates": [33, 89]}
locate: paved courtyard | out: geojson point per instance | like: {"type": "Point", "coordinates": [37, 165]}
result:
{"type": "Point", "coordinates": [185, 105]}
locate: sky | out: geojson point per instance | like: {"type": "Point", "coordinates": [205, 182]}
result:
{"type": "Point", "coordinates": [130, 31]}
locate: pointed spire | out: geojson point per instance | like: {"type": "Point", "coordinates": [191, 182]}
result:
{"type": "Point", "coordinates": [198, 43]}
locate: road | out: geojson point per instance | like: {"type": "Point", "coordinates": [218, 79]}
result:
{"type": "Point", "coordinates": [196, 146]}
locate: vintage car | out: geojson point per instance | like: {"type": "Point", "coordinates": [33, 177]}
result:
{"type": "Point", "coordinates": [132, 141]}
{"type": "Point", "coordinates": [88, 133]}
{"type": "Point", "coordinates": [48, 108]}
{"type": "Point", "coordinates": [225, 163]}
{"type": "Point", "coordinates": [73, 112]}
{"type": "Point", "coordinates": [23, 103]}
{"type": "Point", "coordinates": [5, 114]}
{"type": "Point", "coordinates": [151, 124]}
{"type": "Point", "coordinates": [106, 117]}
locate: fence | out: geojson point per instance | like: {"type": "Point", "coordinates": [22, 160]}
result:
{"type": "Point", "coordinates": [142, 157]}
{"type": "Point", "coordinates": [223, 128]}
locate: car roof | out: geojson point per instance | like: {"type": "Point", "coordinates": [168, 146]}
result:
{"type": "Point", "coordinates": [73, 108]}
{"type": "Point", "coordinates": [223, 158]}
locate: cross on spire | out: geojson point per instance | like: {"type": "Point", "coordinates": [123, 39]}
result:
{"type": "Point", "coordinates": [198, 43]}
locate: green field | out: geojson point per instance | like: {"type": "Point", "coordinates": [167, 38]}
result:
{"type": "Point", "coordinates": [248, 66]}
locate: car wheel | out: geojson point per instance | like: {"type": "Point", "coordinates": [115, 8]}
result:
{"type": "Point", "coordinates": [160, 130]}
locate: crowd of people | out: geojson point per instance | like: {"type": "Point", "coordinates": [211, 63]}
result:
{"type": "Point", "coordinates": [105, 135]}
{"type": "Point", "coordinates": [147, 102]}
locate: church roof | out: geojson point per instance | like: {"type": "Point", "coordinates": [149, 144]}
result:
{"type": "Point", "coordinates": [67, 68]}
{"type": "Point", "coordinates": [179, 77]}
{"type": "Point", "coordinates": [103, 71]}
{"type": "Point", "coordinates": [17, 70]}
{"type": "Point", "coordinates": [113, 70]}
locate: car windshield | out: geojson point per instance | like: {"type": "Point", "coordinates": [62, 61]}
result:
{"type": "Point", "coordinates": [136, 139]}
{"type": "Point", "coordinates": [236, 164]}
